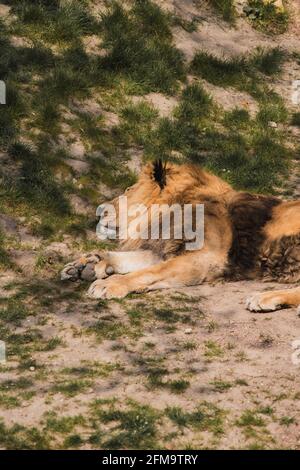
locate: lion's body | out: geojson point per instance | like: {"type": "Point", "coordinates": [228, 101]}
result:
{"type": "Point", "coordinates": [246, 236]}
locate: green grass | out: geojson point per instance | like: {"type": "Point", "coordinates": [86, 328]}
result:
{"type": "Point", "coordinates": [222, 72]}
{"type": "Point", "coordinates": [73, 441]}
{"type": "Point", "coordinates": [269, 61]}
{"type": "Point", "coordinates": [56, 21]}
{"type": "Point", "coordinates": [62, 425]}
{"type": "Point", "coordinates": [188, 25]}
{"type": "Point", "coordinates": [35, 183]}
{"type": "Point", "coordinates": [139, 57]}
{"type": "Point", "coordinates": [287, 420]}
{"type": "Point", "coordinates": [52, 344]}
{"type": "Point", "coordinates": [212, 350]}
{"type": "Point", "coordinates": [5, 261]}
{"type": "Point", "coordinates": [206, 417]}
{"type": "Point", "coordinates": [9, 401]}
{"type": "Point", "coordinates": [106, 329]}
{"type": "Point", "coordinates": [221, 385]}
{"type": "Point", "coordinates": [295, 121]}
{"type": "Point", "coordinates": [241, 151]}
{"type": "Point", "coordinates": [269, 18]}
{"type": "Point", "coordinates": [195, 103]}
{"type": "Point", "coordinates": [250, 419]}
{"type": "Point", "coordinates": [238, 118]}
{"type": "Point", "coordinates": [226, 9]}
{"type": "Point", "coordinates": [241, 72]}
{"type": "Point", "coordinates": [139, 44]}
{"type": "Point", "coordinates": [14, 312]}
{"type": "Point", "coordinates": [18, 437]}
{"type": "Point", "coordinates": [72, 387]}
{"type": "Point", "coordinates": [92, 369]}
{"type": "Point", "coordinates": [178, 386]}
{"type": "Point", "coordinates": [133, 428]}
{"type": "Point", "coordinates": [13, 393]}
{"type": "Point", "coordinates": [20, 384]}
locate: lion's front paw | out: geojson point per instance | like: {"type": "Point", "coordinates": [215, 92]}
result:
{"type": "Point", "coordinates": [264, 302]}
{"type": "Point", "coordinates": [113, 287]}
{"type": "Point", "coordinates": [82, 268]}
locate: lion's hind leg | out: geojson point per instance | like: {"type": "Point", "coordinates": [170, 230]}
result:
{"type": "Point", "coordinates": [274, 300]}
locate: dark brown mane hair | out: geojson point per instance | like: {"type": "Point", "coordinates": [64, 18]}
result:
{"type": "Point", "coordinates": [248, 214]}
{"type": "Point", "coordinates": [160, 173]}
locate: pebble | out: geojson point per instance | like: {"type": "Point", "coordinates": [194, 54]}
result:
{"type": "Point", "coordinates": [188, 331]}
{"type": "Point", "coordinates": [272, 124]}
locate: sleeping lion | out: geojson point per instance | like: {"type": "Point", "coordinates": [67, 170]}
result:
{"type": "Point", "coordinates": [246, 236]}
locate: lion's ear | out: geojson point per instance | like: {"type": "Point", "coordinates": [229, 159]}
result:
{"type": "Point", "coordinates": [160, 173]}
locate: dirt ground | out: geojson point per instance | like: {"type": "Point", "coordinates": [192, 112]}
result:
{"type": "Point", "coordinates": [167, 350]}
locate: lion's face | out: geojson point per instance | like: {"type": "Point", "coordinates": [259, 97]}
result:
{"type": "Point", "coordinates": [143, 192]}
{"type": "Point", "coordinates": [159, 184]}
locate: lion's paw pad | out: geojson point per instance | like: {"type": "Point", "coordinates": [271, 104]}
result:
{"type": "Point", "coordinates": [84, 268]}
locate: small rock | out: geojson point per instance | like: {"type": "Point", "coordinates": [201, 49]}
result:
{"type": "Point", "coordinates": [252, 16]}
{"type": "Point", "coordinates": [272, 124]}
{"type": "Point", "coordinates": [188, 331]}
{"type": "Point", "coordinates": [247, 9]}
{"type": "Point", "coordinates": [32, 368]}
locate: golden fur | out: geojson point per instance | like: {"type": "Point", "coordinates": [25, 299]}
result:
{"type": "Point", "coordinates": [246, 236]}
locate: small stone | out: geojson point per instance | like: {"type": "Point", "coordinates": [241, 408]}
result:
{"type": "Point", "coordinates": [272, 124]}
{"type": "Point", "coordinates": [247, 10]}
{"type": "Point", "coordinates": [188, 331]}
{"type": "Point", "coordinates": [32, 368]}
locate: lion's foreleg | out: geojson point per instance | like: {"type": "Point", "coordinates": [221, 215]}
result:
{"type": "Point", "coordinates": [124, 262]}
{"type": "Point", "coordinates": [102, 264]}
{"type": "Point", "coordinates": [189, 269]}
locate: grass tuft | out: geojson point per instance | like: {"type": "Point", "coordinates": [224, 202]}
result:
{"type": "Point", "coordinates": [139, 47]}
{"type": "Point", "coordinates": [267, 17]}
{"type": "Point", "coordinates": [295, 121]}
{"type": "Point", "coordinates": [135, 427]}
{"type": "Point", "coordinates": [225, 8]}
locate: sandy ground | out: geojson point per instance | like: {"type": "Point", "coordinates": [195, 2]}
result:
{"type": "Point", "coordinates": [239, 361]}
